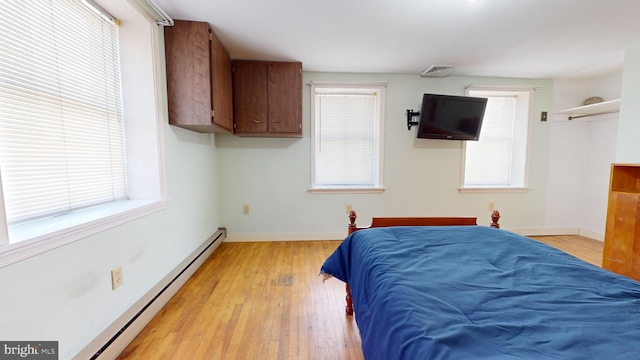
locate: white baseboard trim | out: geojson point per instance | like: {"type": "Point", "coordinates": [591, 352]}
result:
{"type": "Point", "coordinates": [341, 236]}
{"type": "Point", "coordinates": [546, 232]}
{"type": "Point", "coordinates": [560, 231]}
{"type": "Point", "coordinates": [111, 342]}
{"type": "Point", "coordinates": [591, 234]}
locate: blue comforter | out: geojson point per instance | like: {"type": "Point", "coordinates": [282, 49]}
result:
{"type": "Point", "coordinates": [472, 292]}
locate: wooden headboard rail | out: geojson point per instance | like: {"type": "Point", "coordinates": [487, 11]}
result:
{"type": "Point", "coordinates": [420, 221]}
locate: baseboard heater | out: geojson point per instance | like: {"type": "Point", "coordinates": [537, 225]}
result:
{"type": "Point", "coordinates": [160, 295]}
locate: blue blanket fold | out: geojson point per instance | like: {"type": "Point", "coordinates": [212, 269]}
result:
{"type": "Point", "coordinates": [472, 292]}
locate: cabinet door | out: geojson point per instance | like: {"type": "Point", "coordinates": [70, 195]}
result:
{"type": "Point", "coordinates": [285, 97]}
{"type": "Point", "coordinates": [250, 97]}
{"type": "Point", "coordinates": [221, 85]}
{"type": "Point", "coordinates": [618, 252]}
{"type": "Point", "coordinates": [621, 253]}
{"type": "Point", "coordinates": [188, 74]}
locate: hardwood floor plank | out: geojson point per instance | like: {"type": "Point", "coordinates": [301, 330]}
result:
{"type": "Point", "coordinates": [586, 249]}
{"type": "Point", "coordinates": [267, 301]}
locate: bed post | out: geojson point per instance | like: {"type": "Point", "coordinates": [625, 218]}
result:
{"type": "Point", "coordinates": [352, 227]}
{"type": "Point", "coordinates": [495, 216]}
{"type": "Point", "coordinates": [349, 308]}
{"type": "Point", "coordinates": [352, 221]}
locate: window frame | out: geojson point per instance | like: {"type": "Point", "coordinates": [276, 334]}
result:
{"type": "Point", "coordinates": [521, 124]}
{"type": "Point", "coordinates": [380, 87]}
{"type": "Point", "coordinates": [144, 113]}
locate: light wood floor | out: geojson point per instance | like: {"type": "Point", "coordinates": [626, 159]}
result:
{"type": "Point", "coordinates": [584, 248]}
{"type": "Point", "coordinates": [267, 301]}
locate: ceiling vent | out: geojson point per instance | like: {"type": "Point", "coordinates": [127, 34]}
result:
{"type": "Point", "coordinates": [436, 70]}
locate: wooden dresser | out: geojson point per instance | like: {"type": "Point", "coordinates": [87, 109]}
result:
{"type": "Point", "coordinates": [621, 252]}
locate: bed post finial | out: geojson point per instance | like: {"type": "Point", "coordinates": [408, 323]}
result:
{"type": "Point", "coordinates": [495, 216]}
{"type": "Point", "coordinates": [352, 221]}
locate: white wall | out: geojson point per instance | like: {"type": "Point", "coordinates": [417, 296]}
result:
{"type": "Point", "coordinates": [581, 151]}
{"type": "Point", "coordinates": [628, 146]}
{"type": "Point", "coordinates": [65, 294]}
{"type": "Point", "coordinates": [421, 176]}
{"type": "Point", "coordinates": [580, 156]}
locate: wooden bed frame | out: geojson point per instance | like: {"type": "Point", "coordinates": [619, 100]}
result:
{"type": "Point", "coordinates": [411, 221]}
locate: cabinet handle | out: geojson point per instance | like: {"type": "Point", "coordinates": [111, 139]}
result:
{"type": "Point", "coordinates": [257, 121]}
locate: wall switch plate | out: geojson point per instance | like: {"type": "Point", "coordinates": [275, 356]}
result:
{"type": "Point", "coordinates": [245, 209]}
{"type": "Point", "coordinates": [543, 116]}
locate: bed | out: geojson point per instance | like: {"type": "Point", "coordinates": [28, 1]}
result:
{"type": "Point", "coordinates": [454, 290]}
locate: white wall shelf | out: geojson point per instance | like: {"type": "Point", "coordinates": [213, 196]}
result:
{"type": "Point", "coordinates": [605, 107]}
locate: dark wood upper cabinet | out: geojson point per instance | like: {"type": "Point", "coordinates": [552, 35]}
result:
{"type": "Point", "coordinates": [199, 78]}
{"type": "Point", "coordinates": [250, 91]}
{"type": "Point", "coordinates": [267, 98]}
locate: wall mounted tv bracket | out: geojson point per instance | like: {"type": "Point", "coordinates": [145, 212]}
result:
{"type": "Point", "coordinates": [410, 115]}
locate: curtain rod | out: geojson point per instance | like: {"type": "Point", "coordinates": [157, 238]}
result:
{"type": "Point", "coordinates": [594, 114]}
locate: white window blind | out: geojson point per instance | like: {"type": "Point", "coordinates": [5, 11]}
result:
{"type": "Point", "coordinates": [499, 158]}
{"type": "Point", "coordinates": [347, 139]}
{"type": "Point", "coordinates": [61, 130]}
{"type": "Point", "coordinates": [488, 161]}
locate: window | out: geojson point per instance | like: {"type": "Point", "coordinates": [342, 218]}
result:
{"type": "Point", "coordinates": [499, 159]}
{"type": "Point", "coordinates": [347, 136]}
{"type": "Point", "coordinates": [65, 173]}
{"type": "Point", "coordinates": [61, 129]}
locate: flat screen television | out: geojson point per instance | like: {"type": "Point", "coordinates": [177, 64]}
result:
{"type": "Point", "coordinates": [451, 117]}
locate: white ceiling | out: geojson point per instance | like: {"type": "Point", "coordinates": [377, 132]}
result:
{"type": "Point", "coordinates": [553, 39]}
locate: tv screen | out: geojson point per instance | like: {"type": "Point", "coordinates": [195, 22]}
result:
{"type": "Point", "coordinates": [451, 117]}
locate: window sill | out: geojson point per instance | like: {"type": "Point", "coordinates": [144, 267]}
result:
{"type": "Point", "coordinates": [471, 190]}
{"type": "Point", "coordinates": [35, 237]}
{"type": "Point", "coordinates": [346, 190]}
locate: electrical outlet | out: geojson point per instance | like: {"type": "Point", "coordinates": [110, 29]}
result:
{"type": "Point", "coordinates": [492, 206]}
{"type": "Point", "coordinates": [245, 209]}
{"type": "Point", "coordinates": [349, 208]}
{"type": "Point", "coordinates": [116, 277]}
